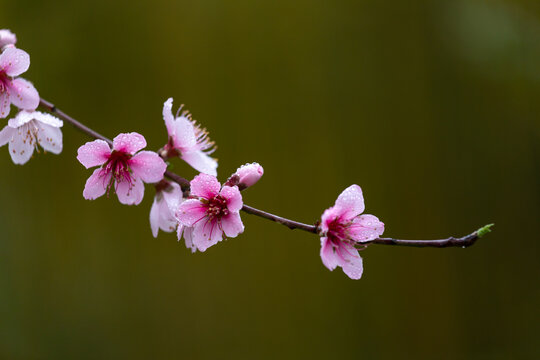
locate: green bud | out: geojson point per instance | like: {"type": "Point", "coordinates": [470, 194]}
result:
{"type": "Point", "coordinates": [484, 230]}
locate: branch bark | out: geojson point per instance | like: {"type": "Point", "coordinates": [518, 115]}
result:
{"type": "Point", "coordinates": [280, 220]}
{"type": "Point", "coordinates": [464, 241]}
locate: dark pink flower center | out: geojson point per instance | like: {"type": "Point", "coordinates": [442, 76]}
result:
{"type": "Point", "coordinates": [4, 81]}
{"type": "Point", "coordinates": [217, 207]}
{"type": "Point", "coordinates": [118, 166]}
{"type": "Point", "coordinates": [337, 231]}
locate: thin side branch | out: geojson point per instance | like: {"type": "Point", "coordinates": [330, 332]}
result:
{"type": "Point", "coordinates": [291, 224]}
{"type": "Point", "coordinates": [280, 220]}
{"type": "Point", "coordinates": [184, 183]}
{"type": "Point", "coordinates": [62, 115]}
{"type": "Point", "coordinates": [463, 242]}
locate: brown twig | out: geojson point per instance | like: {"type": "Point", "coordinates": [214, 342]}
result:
{"type": "Point", "coordinates": [291, 224]}
{"type": "Point", "coordinates": [463, 242]}
{"type": "Point", "coordinates": [280, 220]}
{"type": "Point", "coordinates": [62, 115]}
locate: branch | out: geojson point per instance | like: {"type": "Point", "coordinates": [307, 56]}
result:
{"type": "Point", "coordinates": [291, 224]}
{"type": "Point", "coordinates": [62, 115]}
{"type": "Point", "coordinates": [280, 220]}
{"type": "Point", "coordinates": [463, 242]}
{"type": "Point", "coordinates": [184, 183]}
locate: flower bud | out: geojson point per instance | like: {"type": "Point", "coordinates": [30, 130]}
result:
{"type": "Point", "coordinates": [249, 174]}
{"type": "Point", "coordinates": [7, 38]}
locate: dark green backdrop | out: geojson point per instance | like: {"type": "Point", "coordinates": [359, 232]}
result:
{"type": "Point", "coordinates": [432, 107]}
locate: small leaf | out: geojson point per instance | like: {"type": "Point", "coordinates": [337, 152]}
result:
{"type": "Point", "coordinates": [484, 230]}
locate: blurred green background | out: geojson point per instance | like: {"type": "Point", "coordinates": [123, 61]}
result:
{"type": "Point", "coordinates": [431, 106]}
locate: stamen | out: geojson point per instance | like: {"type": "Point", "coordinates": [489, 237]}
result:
{"type": "Point", "coordinates": [216, 207]}
{"type": "Point", "coordinates": [201, 134]}
{"type": "Point", "coordinates": [3, 81]}
{"type": "Point", "coordinates": [118, 167]}
{"type": "Point", "coordinates": [203, 141]}
{"type": "Point", "coordinates": [179, 109]}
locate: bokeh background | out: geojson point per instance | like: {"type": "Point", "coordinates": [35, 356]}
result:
{"type": "Point", "coordinates": [431, 106]}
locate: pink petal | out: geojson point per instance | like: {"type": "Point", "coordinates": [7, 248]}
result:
{"type": "Point", "coordinates": [154, 218]}
{"type": "Point", "coordinates": [183, 134]}
{"type": "Point", "coordinates": [167, 221]}
{"type": "Point", "coordinates": [350, 202]}
{"type": "Point", "coordinates": [190, 212]}
{"type": "Point", "coordinates": [6, 135]}
{"type": "Point", "coordinates": [168, 116]}
{"type": "Point", "coordinates": [4, 104]}
{"type": "Point", "coordinates": [173, 197]}
{"type": "Point", "coordinates": [249, 174]}
{"type": "Point", "coordinates": [232, 225]}
{"type": "Point", "coordinates": [130, 193]}
{"type": "Point", "coordinates": [366, 227]}
{"type": "Point", "coordinates": [188, 237]}
{"type": "Point", "coordinates": [206, 234]}
{"type": "Point", "coordinates": [187, 232]}
{"type": "Point", "coordinates": [23, 94]}
{"type": "Point", "coordinates": [328, 256]}
{"type": "Point", "coordinates": [201, 162]}
{"type": "Point", "coordinates": [148, 166]}
{"type": "Point", "coordinates": [233, 197]}
{"type": "Point", "coordinates": [205, 186]}
{"type": "Point", "coordinates": [21, 148]}
{"type": "Point", "coordinates": [14, 61]}
{"type": "Point", "coordinates": [93, 153]}
{"type": "Point", "coordinates": [350, 261]}
{"type": "Point", "coordinates": [161, 216]}
{"type": "Point", "coordinates": [7, 38]}
{"type": "Point", "coordinates": [129, 142]}
{"type": "Point", "coordinates": [50, 138]}
{"type": "Point", "coordinates": [96, 185]}
{"type": "Point", "coordinates": [328, 216]}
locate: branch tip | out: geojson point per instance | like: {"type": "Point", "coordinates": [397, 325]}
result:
{"type": "Point", "coordinates": [315, 228]}
{"type": "Point", "coordinates": [484, 230]}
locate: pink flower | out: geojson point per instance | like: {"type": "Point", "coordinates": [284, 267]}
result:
{"type": "Point", "coordinates": [249, 174]}
{"type": "Point", "coordinates": [122, 166]}
{"type": "Point", "coordinates": [188, 140]}
{"type": "Point", "coordinates": [16, 91]}
{"type": "Point", "coordinates": [7, 38]}
{"type": "Point", "coordinates": [342, 227]}
{"type": "Point", "coordinates": [213, 211]}
{"type": "Point", "coordinates": [27, 130]}
{"type": "Point", "coordinates": [166, 202]}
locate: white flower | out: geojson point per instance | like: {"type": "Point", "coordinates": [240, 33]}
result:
{"type": "Point", "coordinates": [166, 202]}
{"type": "Point", "coordinates": [27, 130]}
